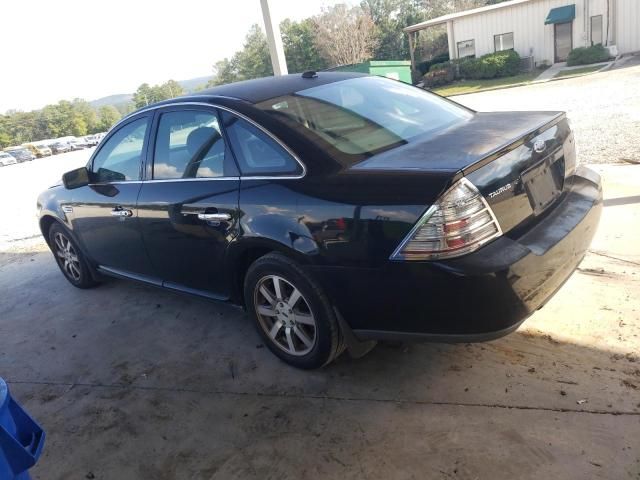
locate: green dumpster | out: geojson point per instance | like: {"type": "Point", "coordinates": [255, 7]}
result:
{"type": "Point", "coordinates": [396, 69]}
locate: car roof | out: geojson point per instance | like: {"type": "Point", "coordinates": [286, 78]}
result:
{"type": "Point", "coordinates": [261, 89]}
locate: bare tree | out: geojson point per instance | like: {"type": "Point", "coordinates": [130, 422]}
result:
{"type": "Point", "coordinates": [344, 35]}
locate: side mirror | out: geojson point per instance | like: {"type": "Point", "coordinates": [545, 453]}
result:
{"type": "Point", "coordinates": [76, 178]}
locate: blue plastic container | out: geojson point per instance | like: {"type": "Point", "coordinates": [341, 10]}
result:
{"type": "Point", "coordinates": [21, 439]}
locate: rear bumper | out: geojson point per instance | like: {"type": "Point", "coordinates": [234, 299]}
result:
{"type": "Point", "coordinates": [478, 297]}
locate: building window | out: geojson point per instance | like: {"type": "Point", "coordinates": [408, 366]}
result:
{"type": "Point", "coordinates": [503, 41]}
{"type": "Point", "coordinates": [596, 30]}
{"type": "Point", "coordinates": [466, 49]}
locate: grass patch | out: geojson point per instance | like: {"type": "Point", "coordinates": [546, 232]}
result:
{"type": "Point", "coordinates": [577, 71]}
{"type": "Point", "coordinates": [472, 86]}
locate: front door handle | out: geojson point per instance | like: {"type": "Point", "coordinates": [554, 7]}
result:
{"type": "Point", "coordinates": [120, 212]}
{"type": "Point", "coordinates": [214, 217]}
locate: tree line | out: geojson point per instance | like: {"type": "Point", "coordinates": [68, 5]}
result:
{"type": "Point", "coordinates": [147, 94]}
{"type": "Point", "coordinates": [339, 35]}
{"type": "Point", "coordinates": [77, 118]}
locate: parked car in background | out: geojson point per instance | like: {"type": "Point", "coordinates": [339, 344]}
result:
{"type": "Point", "coordinates": [38, 150]}
{"type": "Point", "coordinates": [6, 159]}
{"type": "Point", "coordinates": [336, 208]}
{"type": "Point", "coordinates": [21, 154]}
{"type": "Point", "coordinates": [91, 140]}
{"type": "Point", "coordinates": [77, 144]}
{"type": "Point", "coordinates": [60, 147]}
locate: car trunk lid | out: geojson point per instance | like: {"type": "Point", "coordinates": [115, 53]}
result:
{"type": "Point", "coordinates": [515, 159]}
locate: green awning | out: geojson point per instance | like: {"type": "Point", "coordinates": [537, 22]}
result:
{"type": "Point", "coordinates": [561, 14]}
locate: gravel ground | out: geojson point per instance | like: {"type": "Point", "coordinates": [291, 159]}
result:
{"type": "Point", "coordinates": [604, 109]}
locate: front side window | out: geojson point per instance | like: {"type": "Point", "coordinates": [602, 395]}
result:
{"type": "Point", "coordinates": [189, 144]}
{"type": "Point", "coordinates": [120, 157]}
{"type": "Point", "coordinates": [503, 41]}
{"type": "Point", "coordinates": [363, 116]}
{"type": "Point", "coordinates": [596, 30]}
{"type": "Point", "coordinates": [467, 48]}
{"type": "Point", "coordinates": [257, 153]}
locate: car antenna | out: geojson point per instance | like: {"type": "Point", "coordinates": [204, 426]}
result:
{"type": "Point", "coordinates": [310, 74]}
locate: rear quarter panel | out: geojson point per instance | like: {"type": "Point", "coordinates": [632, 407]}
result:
{"type": "Point", "coordinates": [346, 220]}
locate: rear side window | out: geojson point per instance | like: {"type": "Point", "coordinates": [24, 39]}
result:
{"type": "Point", "coordinates": [189, 144]}
{"type": "Point", "coordinates": [119, 158]}
{"type": "Point", "coordinates": [257, 153]}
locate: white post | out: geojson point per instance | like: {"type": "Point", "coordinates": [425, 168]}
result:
{"type": "Point", "coordinates": [274, 40]}
{"type": "Point", "coordinates": [453, 50]}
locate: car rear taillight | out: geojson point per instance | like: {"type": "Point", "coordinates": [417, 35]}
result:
{"type": "Point", "coordinates": [460, 222]}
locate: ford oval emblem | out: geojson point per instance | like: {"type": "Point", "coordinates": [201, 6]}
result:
{"type": "Point", "coordinates": [539, 146]}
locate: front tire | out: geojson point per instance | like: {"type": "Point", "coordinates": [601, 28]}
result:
{"type": "Point", "coordinates": [292, 314]}
{"type": "Point", "coordinates": [69, 258]}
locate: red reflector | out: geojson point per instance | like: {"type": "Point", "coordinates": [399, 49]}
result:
{"type": "Point", "coordinates": [453, 226]}
{"type": "Point", "coordinates": [455, 243]}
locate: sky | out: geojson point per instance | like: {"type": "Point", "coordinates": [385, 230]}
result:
{"type": "Point", "coordinates": [65, 49]}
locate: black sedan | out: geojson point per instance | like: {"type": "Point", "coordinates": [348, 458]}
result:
{"type": "Point", "coordinates": [338, 209]}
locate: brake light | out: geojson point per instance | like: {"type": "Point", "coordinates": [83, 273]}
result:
{"type": "Point", "coordinates": [460, 222]}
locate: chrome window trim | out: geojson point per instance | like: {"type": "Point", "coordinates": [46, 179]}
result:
{"type": "Point", "coordinates": [119, 182]}
{"type": "Point", "coordinates": [244, 117]}
{"type": "Point", "coordinates": [163, 180]}
{"type": "Point", "coordinates": [197, 179]}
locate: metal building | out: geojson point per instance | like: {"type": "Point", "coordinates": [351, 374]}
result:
{"type": "Point", "coordinates": [546, 30]}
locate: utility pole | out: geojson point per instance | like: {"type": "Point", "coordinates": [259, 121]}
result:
{"type": "Point", "coordinates": [274, 40]}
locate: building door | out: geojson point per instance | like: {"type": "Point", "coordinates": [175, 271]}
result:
{"type": "Point", "coordinates": [563, 42]}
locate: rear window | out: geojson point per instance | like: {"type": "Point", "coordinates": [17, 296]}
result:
{"type": "Point", "coordinates": [363, 116]}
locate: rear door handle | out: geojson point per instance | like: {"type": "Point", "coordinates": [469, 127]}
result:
{"type": "Point", "coordinates": [120, 212]}
{"type": "Point", "coordinates": [214, 217]}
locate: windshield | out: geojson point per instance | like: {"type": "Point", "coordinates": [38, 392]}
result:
{"type": "Point", "coordinates": [363, 116]}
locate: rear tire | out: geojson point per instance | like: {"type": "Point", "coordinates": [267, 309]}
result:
{"type": "Point", "coordinates": [291, 312]}
{"type": "Point", "coordinates": [69, 257]}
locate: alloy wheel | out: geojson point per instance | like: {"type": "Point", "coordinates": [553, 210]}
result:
{"type": "Point", "coordinates": [68, 257]}
{"type": "Point", "coordinates": [285, 315]}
